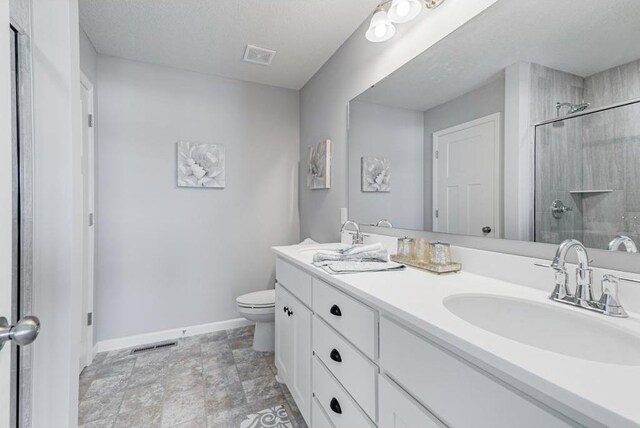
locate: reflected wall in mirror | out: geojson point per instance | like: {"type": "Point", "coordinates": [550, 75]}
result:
{"type": "Point", "coordinates": [522, 124]}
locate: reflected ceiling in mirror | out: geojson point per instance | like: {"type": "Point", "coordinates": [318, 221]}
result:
{"type": "Point", "coordinates": [522, 124]}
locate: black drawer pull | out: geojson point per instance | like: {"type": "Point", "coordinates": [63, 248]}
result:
{"type": "Point", "coordinates": [335, 406]}
{"type": "Point", "coordinates": [335, 310]}
{"type": "Point", "coordinates": [289, 313]}
{"type": "Point", "coordinates": [285, 309]}
{"type": "Point", "coordinates": [335, 356]}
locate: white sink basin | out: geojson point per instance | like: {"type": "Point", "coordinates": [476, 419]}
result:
{"type": "Point", "coordinates": [547, 327]}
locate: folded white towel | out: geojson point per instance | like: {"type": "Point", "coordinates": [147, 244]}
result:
{"type": "Point", "coordinates": [356, 253]}
{"type": "Point", "coordinates": [343, 267]}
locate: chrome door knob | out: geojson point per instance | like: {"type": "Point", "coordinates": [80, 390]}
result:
{"type": "Point", "coordinates": [23, 333]}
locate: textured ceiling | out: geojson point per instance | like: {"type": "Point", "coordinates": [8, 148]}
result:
{"type": "Point", "coordinates": [210, 36]}
{"type": "Point", "coordinates": [582, 37]}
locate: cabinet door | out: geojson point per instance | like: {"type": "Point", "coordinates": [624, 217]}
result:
{"type": "Point", "coordinates": [399, 410]}
{"type": "Point", "coordinates": [283, 353]}
{"type": "Point", "coordinates": [300, 375]}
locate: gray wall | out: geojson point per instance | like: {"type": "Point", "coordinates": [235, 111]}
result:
{"type": "Point", "coordinates": [396, 134]}
{"type": "Point", "coordinates": [486, 100]}
{"type": "Point", "coordinates": [171, 257]}
{"type": "Point", "coordinates": [356, 66]}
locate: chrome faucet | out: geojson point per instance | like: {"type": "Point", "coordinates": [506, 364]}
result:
{"type": "Point", "coordinates": [609, 302]}
{"type": "Point", "coordinates": [384, 223]}
{"type": "Point", "coordinates": [628, 243]}
{"type": "Point", "coordinates": [584, 275]}
{"type": "Point", "coordinates": [357, 238]}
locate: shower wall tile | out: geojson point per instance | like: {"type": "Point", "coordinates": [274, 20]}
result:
{"type": "Point", "coordinates": [549, 86]}
{"type": "Point", "coordinates": [603, 153]}
{"type": "Point", "coordinates": [613, 85]}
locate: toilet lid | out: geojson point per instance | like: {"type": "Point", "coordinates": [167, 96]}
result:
{"type": "Point", "coordinates": [258, 299]}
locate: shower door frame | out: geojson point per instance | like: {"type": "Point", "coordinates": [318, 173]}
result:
{"type": "Point", "coordinates": [535, 126]}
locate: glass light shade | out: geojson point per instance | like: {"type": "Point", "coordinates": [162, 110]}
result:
{"type": "Point", "coordinates": [380, 29]}
{"type": "Point", "coordinates": [402, 11]}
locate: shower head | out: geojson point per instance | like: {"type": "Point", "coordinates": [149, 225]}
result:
{"type": "Point", "coordinates": [573, 108]}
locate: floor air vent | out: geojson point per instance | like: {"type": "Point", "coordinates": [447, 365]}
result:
{"type": "Point", "coordinates": [157, 346]}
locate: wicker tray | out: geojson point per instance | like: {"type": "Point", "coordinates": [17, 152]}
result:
{"type": "Point", "coordinates": [452, 267]}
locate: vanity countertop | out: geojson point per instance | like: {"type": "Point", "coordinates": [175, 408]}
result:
{"type": "Point", "coordinates": [606, 393]}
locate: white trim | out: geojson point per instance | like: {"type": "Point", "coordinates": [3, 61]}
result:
{"type": "Point", "coordinates": [86, 355]}
{"type": "Point", "coordinates": [176, 333]}
{"type": "Point", "coordinates": [497, 173]}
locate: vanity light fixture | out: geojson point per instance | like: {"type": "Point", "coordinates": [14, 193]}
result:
{"type": "Point", "coordinates": [381, 27]}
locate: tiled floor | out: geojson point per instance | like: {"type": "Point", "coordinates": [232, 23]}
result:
{"type": "Point", "coordinates": [213, 380]}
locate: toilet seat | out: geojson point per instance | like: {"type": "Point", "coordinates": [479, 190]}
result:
{"type": "Point", "coordinates": [258, 300]}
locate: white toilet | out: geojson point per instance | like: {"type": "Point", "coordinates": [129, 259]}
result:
{"type": "Point", "coordinates": [260, 307]}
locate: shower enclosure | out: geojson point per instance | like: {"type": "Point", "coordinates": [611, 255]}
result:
{"type": "Point", "coordinates": [587, 176]}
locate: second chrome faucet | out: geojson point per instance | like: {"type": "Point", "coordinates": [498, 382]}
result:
{"type": "Point", "coordinates": [609, 302]}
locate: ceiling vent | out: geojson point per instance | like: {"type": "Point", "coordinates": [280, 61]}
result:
{"type": "Point", "coordinates": [258, 55]}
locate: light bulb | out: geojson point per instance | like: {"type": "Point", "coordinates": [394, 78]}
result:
{"type": "Point", "coordinates": [380, 28]}
{"type": "Point", "coordinates": [402, 11]}
{"type": "Point", "coordinates": [403, 8]}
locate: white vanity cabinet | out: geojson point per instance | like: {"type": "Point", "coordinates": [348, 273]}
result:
{"type": "Point", "coordinates": [347, 365]}
{"type": "Point", "coordinates": [461, 395]}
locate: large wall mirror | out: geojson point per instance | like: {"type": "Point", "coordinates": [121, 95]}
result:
{"type": "Point", "coordinates": [523, 124]}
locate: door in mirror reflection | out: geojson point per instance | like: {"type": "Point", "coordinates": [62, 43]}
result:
{"type": "Point", "coordinates": [466, 178]}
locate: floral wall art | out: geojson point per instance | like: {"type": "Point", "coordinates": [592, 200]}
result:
{"type": "Point", "coordinates": [319, 172]}
{"type": "Point", "coordinates": [376, 174]}
{"type": "Point", "coordinates": [200, 165]}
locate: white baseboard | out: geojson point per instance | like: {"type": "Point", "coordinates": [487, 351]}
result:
{"type": "Point", "coordinates": [159, 336]}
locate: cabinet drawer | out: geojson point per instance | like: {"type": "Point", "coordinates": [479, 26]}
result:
{"type": "Point", "coordinates": [295, 280]}
{"type": "Point", "coordinates": [352, 369]}
{"type": "Point", "coordinates": [352, 319]}
{"type": "Point", "coordinates": [319, 418]}
{"type": "Point", "coordinates": [399, 410]}
{"type": "Point", "coordinates": [453, 390]}
{"type": "Point", "coordinates": [334, 400]}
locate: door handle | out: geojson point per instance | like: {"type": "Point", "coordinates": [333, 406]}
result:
{"type": "Point", "coordinates": [335, 310]}
{"type": "Point", "coordinates": [22, 333]}
{"type": "Point", "coordinates": [486, 229]}
{"type": "Point", "coordinates": [335, 356]}
{"type": "Point", "coordinates": [335, 406]}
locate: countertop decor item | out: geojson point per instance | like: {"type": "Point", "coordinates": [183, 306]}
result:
{"type": "Point", "coordinates": [421, 250]}
{"type": "Point", "coordinates": [319, 166]}
{"type": "Point", "coordinates": [449, 268]}
{"type": "Point", "coordinates": [433, 257]}
{"type": "Point", "coordinates": [439, 253]}
{"type": "Point", "coordinates": [201, 165]}
{"type": "Point", "coordinates": [406, 246]}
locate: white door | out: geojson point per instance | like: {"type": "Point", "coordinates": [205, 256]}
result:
{"type": "Point", "coordinates": [13, 236]}
{"type": "Point", "coordinates": [6, 183]}
{"type": "Point", "coordinates": [466, 178]}
{"type": "Point", "coordinates": [86, 321]}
